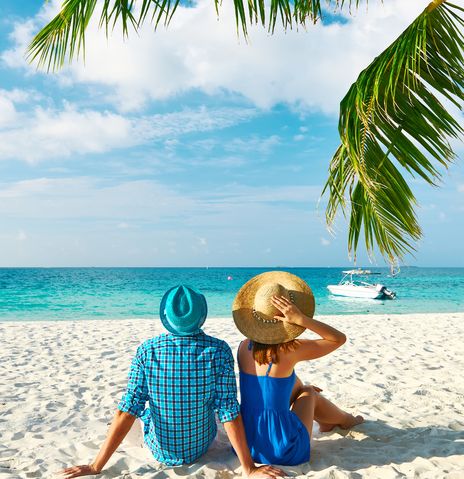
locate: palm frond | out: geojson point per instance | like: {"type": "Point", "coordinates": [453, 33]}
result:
{"type": "Point", "coordinates": [392, 123]}
{"type": "Point", "coordinates": [64, 37]}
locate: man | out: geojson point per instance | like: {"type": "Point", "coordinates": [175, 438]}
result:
{"type": "Point", "coordinates": [186, 377]}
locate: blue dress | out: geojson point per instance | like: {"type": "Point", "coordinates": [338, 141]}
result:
{"type": "Point", "coordinates": [275, 434]}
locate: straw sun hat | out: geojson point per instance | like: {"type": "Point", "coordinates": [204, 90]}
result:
{"type": "Point", "coordinates": [254, 313]}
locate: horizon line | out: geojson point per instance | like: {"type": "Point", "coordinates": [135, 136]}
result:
{"type": "Point", "coordinates": [223, 267]}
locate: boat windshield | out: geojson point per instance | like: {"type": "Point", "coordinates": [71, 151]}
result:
{"type": "Point", "coordinates": [361, 272]}
{"type": "Point", "coordinates": [348, 275]}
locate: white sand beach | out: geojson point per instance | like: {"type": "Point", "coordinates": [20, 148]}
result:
{"type": "Point", "coordinates": [61, 382]}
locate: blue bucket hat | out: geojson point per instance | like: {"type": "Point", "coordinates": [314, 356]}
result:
{"type": "Point", "coordinates": [183, 310]}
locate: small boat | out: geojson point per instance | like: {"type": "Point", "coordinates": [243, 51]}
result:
{"type": "Point", "coordinates": [360, 289]}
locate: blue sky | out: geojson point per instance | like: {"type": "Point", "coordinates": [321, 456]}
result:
{"type": "Point", "coordinates": [190, 147]}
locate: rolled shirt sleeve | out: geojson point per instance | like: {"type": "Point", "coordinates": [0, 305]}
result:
{"type": "Point", "coordinates": [225, 403]}
{"type": "Point", "coordinates": [134, 399]}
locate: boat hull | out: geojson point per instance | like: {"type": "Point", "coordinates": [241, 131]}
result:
{"type": "Point", "coordinates": [353, 291]}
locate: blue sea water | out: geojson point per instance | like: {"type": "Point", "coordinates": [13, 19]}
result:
{"type": "Point", "coordinates": [107, 293]}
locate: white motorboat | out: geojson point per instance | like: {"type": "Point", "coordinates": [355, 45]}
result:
{"type": "Point", "coordinates": [360, 289]}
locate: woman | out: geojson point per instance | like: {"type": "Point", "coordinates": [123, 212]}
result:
{"type": "Point", "coordinates": [278, 411]}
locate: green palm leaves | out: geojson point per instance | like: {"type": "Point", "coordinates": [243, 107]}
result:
{"type": "Point", "coordinates": [391, 122]}
{"type": "Point", "coordinates": [64, 36]}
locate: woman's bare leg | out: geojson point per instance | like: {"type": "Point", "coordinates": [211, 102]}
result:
{"type": "Point", "coordinates": [304, 406]}
{"type": "Point", "coordinates": [296, 390]}
{"type": "Point", "coordinates": [309, 405]}
{"type": "Point", "coordinates": [328, 415]}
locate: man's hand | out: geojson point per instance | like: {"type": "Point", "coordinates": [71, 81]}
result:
{"type": "Point", "coordinates": [266, 472]}
{"type": "Point", "coordinates": [122, 422]}
{"type": "Point", "coordinates": [76, 471]}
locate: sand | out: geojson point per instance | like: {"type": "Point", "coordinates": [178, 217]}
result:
{"type": "Point", "coordinates": [61, 382]}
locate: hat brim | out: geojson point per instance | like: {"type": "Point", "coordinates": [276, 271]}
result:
{"type": "Point", "coordinates": [271, 333]}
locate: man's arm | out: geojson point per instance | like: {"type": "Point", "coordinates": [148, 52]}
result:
{"type": "Point", "coordinates": [131, 406]}
{"type": "Point", "coordinates": [228, 411]}
{"type": "Point", "coordinates": [120, 426]}
{"type": "Point", "coordinates": [236, 434]}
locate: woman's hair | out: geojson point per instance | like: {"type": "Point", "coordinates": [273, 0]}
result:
{"type": "Point", "coordinates": [265, 353]}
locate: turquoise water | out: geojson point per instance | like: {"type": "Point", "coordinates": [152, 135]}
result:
{"type": "Point", "coordinates": [93, 293]}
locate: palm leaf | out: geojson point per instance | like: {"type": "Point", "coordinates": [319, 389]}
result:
{"type": "Point", "coordinates": [64, 37]}
{"type": "Point", "coordinates": [392, 123]}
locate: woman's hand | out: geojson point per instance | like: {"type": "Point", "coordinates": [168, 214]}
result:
{"type": "Point", "coordinates": [290, 312]}
{"type": "Point", "coordinates": [77, 471]}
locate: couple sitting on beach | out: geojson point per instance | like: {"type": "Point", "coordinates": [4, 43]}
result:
{"type": "Point", "coordinates": [187, 377]}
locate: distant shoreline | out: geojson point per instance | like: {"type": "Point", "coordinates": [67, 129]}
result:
{"type": "Point", "coordinates": [229, 267]}
{"type": "Point", "coordinates": [379, 316]}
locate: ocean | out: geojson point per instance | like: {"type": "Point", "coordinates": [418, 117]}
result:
{"type": "Point", "coordinates": [64, 294]}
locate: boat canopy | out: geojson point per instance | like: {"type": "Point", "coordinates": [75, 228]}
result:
{"type": "Point", "coordinates": [359, 271]}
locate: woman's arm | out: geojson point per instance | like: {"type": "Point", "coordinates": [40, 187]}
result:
{"type": "Point", "coordinates": [309, 349]}
{"type": "Point", "coordinates": [122, 422]}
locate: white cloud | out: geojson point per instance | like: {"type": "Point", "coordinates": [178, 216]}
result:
{"type": "Point", "coordinates": [88, 198]}
{"type": "Point", "coordinates": [50, 133]}
{"type": "Point", "coordinates": [246, 195]}
{"type": "Point", "coordinates": [311, 69]}
{"type": "Point", "coordinates": [85, 197]}
{"type": "Point", "coordinates": [8, 111]}
{"type": "Point", "coordinates": [220, 162]}
{"type": "Point", "coordinates": [255, 144]}
{"type": "Point", "coordinates": [21, 36]}
{"type": "Point", "coordinates": [21, 235]}
{"type": "Point", "coordinates": [8, 98]}
{"type": "Point", "coordinates": [73, 221]}
{"type": "Point", "coordinates": [325, 242]}
{"type": "Point", "coordinates": [262, 145]}
{"type": "Point", "coordinates": [17, 95]}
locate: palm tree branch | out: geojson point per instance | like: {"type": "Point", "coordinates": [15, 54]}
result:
{"type": "Point", "coordinates": [392, 114]}
{"type": "Point", "coordinates": [64, 36]}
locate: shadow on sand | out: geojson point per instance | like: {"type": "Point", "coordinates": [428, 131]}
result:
{"type": "Point", "coordinates": [359, 448]}
{"type": "Point", "coordinates": [346, 450]}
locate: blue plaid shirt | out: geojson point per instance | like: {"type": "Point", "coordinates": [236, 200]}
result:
{"type": "Point", "coordinates": [185, 381]}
